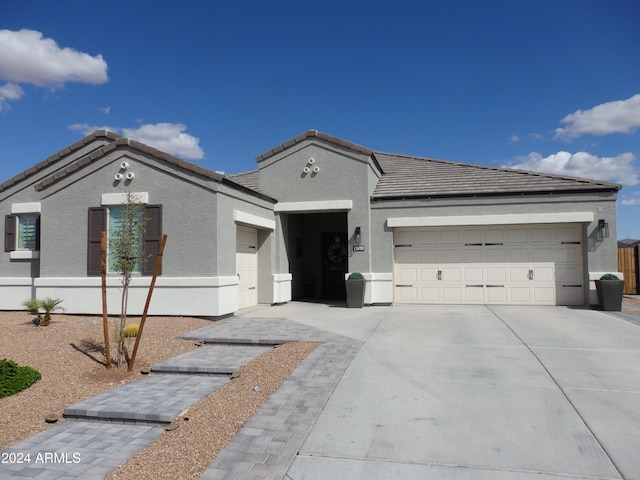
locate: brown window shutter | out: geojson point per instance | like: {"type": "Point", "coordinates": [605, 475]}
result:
{"type": "Point", "coordinates": [38, 234]}
{"type": "Point", "coordinates": [152, 237]}
{"type": "Point", "coordinates": [9, 233]}
{"type": "Point", "coordinates": [97, 224]}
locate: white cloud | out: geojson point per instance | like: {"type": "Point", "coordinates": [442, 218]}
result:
{"type": "Point", "coordinates": [106, 110]}
{"type": "Point", "coordinates": [631, 201]}
{"type": "Point", "coordinates": [621, 116]}
{"type": "Point", "coordinates": [9, 91]}
{"type": "Point", "coordinates": [27, 57]}
{"type": "Point", "coordinates": [619, 169]}
{"type": "Point", "coordinates": [514, 138]}
{"type": "Point", "coordinates": [168, 137]}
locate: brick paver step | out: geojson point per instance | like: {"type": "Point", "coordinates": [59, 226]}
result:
{"type": "Point", "coordinates": [157, 399]}
{"type": "Point", "coordinates": [211, 360]}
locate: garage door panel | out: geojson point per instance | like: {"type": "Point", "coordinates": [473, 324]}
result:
{"type": "Point", "coordinates": [451, 274]}
{"type": "Point", "coordinates": [474, 275]}
{"type": "Point", "coordinates": [542, 254]}
{"type": "Point", "coordinates": [472, 255]}
{"type": "Point", "coordinates": [428, 274]}
{"type": "Point", "coordinates": [407, 274]}
{"type": "Point", "coordinates": [496, 274]}
{"type": "Point", "coordinates": [495, 255]}
{"type": "Point", "coordinates": [474, 294]}
{"type": "Point", "coordinates": [451, 295]}
{"type": "Point", "coordinates": [566, 234]}
{"type": "Point", "coordinates": [406, 256]}
{"type": "Point", "coordinates": [407, 294]}
{"type": "Point", "coordinates": [540, 235]}
{"type": "Point", "coordinates": [450, 237]}
{"type": "Point", "coordinates": [544, 295]}
{"type": "Point", "coordinates": [518, 235]}
{"type": "Point", "coordinates": [569, 274]}
{"type": "Point", "coordinates": [514, 264]}
{"type": "Point", "coordinates": [451, 255]}
{"type": "Point", "coordinates": [496, 294]}
{"type": "Point", "coordinates": [520, 295]}
{"type": "Point", "coordinates": [543, 274]}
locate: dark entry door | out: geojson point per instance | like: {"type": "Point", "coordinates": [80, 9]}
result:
{"type": "Point", "coordinates": [334, 264]}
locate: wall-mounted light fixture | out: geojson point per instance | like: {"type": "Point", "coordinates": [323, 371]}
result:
{"type": "Point", "coordinates": [130, 175]}
{"type": "Point", "coordinates": [118, 176]}
{"type": "Point", "coordinates": [357, 237]}
{"type": "Point", "coordinates": [603, 230]}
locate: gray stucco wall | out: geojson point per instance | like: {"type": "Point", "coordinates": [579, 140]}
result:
{"type": "Point", "coordinates": [343, 175]}
{"type": "Point", "coordinates": [189, 209]}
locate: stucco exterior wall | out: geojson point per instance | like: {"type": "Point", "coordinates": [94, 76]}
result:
{"type": "Point", "coordinates": [343, 175]}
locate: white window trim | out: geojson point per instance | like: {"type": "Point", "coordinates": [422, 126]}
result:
{"type": "Point", "coordinates": [24, 254]}
{"type": "Point", "coordinates": [17, 209]}
{"type": "Point", "coordinates": [33, 207]}
{"type": "Point", "coordinates": [121, 198]}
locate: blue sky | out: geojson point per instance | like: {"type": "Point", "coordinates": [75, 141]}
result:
{"type": "Point", "coordinates": [548, 85]}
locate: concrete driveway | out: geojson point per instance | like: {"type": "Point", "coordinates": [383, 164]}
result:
{"type": "Point", "coordinates": [478, 392]}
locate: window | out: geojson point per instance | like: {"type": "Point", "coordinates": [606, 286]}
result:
{"type": "Point", "coordinates": [28, 232]}
{"type": "Point", "coordinates": [117, 225]}
{"type": "Point", "coordinates": [22, 234]}
{"type": "Point", "coordinates": [107, 219]}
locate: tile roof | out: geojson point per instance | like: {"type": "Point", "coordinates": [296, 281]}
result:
{"type": "Point", "coordinates": [100, 151]}
{"type": "Point", "coordinates": [406, 176]}
{"type": "Point", "coordinates": [249, 179]}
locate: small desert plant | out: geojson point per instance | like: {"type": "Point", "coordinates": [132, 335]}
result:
{"type": "Point", "coordinates": [14, 378]}
{"type": "Point", "coordinates": [33, 306]}
{"type": "Point", "coordinates": [356, 276]}
{"type": "Point", "coordinates": [131, 330]}
{"type": "Point", "coordinates": [49, 305]}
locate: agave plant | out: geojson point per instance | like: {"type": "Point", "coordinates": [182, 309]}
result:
{"type": "Point", "coordinates": [49, 305]}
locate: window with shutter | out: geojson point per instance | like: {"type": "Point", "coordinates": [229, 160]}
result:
{"type": "Point", "coordinates": [107, 219]}
{"type": "Point", "coordinates": [22, 232]}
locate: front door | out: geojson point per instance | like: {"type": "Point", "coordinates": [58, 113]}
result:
{"type": "Point", "coordinates": [334, 264]}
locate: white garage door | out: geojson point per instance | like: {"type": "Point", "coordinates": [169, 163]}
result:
{"type": "Point", "coordinates": [247, 266]}
{"type": "Point", "coordinates": [526, 265]}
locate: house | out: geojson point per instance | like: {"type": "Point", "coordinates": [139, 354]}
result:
{"type": "Point", "coordinates": [318, 207]}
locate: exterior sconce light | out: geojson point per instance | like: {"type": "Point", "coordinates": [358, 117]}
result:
{"type": "Point", "coordinates": [306, 169]}
{"type": "Point", "coordinates": [357, 235]}
{"type": "Point", "coordinates": [603, 230]}
{"type": "Point", "coordinates": [316, 169]}
{"type": "Point", "coordinates": [124, 165]}
{"type": "Point", "coordinates": [130, 175]}
{"type": "Point", "coordinates": [118, 176]}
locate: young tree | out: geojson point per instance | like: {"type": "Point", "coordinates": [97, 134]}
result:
{"type": "Point", "coordinates": [126, 230]}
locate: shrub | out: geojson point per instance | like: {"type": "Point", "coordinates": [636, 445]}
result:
{"type": "Point", "coordinates": [609, 276]}
{"type": "Point", "coordinates": [356, 276]}
{"type": "Point", "coordinates": [14, 378]}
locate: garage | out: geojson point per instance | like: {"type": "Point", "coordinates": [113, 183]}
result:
{"type": "Point", "coordinates": [515, 264]}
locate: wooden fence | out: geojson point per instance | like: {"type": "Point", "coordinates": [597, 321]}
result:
{"type": "Point", "coordinates": [628, 265]}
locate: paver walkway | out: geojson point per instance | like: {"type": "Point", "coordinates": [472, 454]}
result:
{"type": "Point", "coordinates": [83, 447]}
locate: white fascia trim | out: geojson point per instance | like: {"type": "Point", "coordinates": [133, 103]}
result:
{"type": "Point", "coordinates": [33, 207]}
{"type": "Point", "coordinates": [121, 198]}
{"type": "Point", "coordinates": [282, 277]}
{"type": "Point", "coordinates": [253, 220]}
{"type": "Point", "coordinates": [505, 219]}
{"type": "Point", "coordinates": [317, 206]}
{"type": "Point", "coordinates": [15, 281]}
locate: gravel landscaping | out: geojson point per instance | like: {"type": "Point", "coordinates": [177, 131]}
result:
{"type": "Point", "coordinates": [69, 355]}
